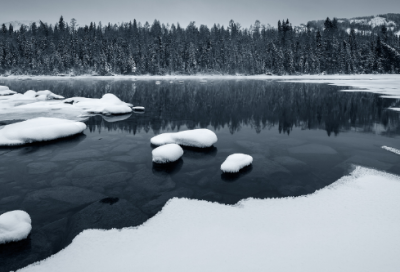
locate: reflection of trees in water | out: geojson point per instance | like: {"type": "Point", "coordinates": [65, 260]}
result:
{"type": "Point", "coordinates": [233, 104]}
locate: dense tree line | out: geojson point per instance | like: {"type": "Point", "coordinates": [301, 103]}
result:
{"type": "Point", "coordinates": [132, 48]}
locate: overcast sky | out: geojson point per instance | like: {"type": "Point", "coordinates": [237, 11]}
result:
{"type": "Point", "coordinates": [206, 12]}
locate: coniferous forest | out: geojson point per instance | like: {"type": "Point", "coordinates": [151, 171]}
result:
{"type": "Point", "coordinates": [157, 49]}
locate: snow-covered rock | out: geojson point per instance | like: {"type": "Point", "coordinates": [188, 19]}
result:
{"type": "Point", "coordinates": [107, 105]}
{"type": "Point", "coordinates": [196, 138]}
{"type": "Point", "coordinates": [138, 108]}
{"type": "Point", "coordinates": [47, 95]}
{"type": "Point", "coordinates": [167, 153]}
{"type": "Point", "coordinates": [4, 90]}
{"type": "Point", "coordinates": [42, 95]}
{"type": "Point", "coordinates": [14, 226]}
{"type": "Point", "coordinates": [38, 130]}
{"type": "Point", "coordinates": [235, 162]}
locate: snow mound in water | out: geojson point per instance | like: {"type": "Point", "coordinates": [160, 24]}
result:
{"type": "Point", "coordinates": [29, 97]}
{"type": "Point", "coordinates": [107, 105]}
{"type": "Point", "coordinates": [14, 226]}
{"type": "Point", "coordinates": [4, 90]}
{"type": "Point", "coordinates": [235, 162]}
{"type": "Point", "coordinates": [167, 153]}
{"type": "Point", "coordinates": [351, 225]}
{"type": "Point", "coordinates": [391, 149]}
{"type": "Point", "coordinates": [197, 138]}
{"type": "Point", "coordinates": [38, 130]}
{"type": "Point", "coordinates": [138, 108]}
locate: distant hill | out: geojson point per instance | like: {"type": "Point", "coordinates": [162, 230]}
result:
{"type": "Point", "coordinates": [365, 24]}
{"type": "Point", "coordinates": [17, 24]}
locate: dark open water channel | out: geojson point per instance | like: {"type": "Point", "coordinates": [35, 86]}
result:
{"type": "Point", "coordinates": [302, 137]}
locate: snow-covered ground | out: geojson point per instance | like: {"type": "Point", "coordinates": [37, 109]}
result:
{"type": "Point", "coordinates": [352, 225]}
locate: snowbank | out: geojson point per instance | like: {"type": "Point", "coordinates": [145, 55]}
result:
{"type": "Point", "coordinates": [14, 226]}
{"type": "Point", "coordinates": [391, 149]}
{"type": "Point", "coordinates": [235, 162]}
{"type": "Point", "coordinates": [197, 138]}
{"type": "Point", "coordinates": [107, 105]}
{"type": "Point", "coordinates": [39, 129]}
{"type": "Point", "coordinates": [352, 225]}
{"type": "Point", "coordinates": [167, 153]}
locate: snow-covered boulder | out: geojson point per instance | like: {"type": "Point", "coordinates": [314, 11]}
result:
{"type": "Point", "coordinates": [14, 226]}
{"type": "Point", "coordinates": [47, 95]}
{"type": "Point", "coordinates": [196, 138]}
{"type": "Point", "coordinates": [42, 95]}
{"type": "Point", "coordinates": [5, 91]}
{"type": "Point", "coordinates": [167, 153]}
{"type": "Point", "coordinates": [138, 108]}
{"type": "Point", "coordinates": [235, 162]}
{"type": "Point", "coordinates": [107, 105]}
{"type": "Point", "coordinates": [39, 129]}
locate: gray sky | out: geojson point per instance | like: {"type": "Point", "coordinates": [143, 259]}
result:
{"type": "Point", "coordinates": [207, 12]}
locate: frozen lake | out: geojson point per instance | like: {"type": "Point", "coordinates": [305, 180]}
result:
{"type": "Point", "coordinates": [302, 137]}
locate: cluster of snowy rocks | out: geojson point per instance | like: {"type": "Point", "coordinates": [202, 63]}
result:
{"type": "Point", "coordinates": [40, 104]}
{"type": "Point", "coordinates": [45, 103]}
{"type": "Point", "coordinates": [170, 150]}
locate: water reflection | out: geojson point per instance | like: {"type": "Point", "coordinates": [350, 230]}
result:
{"type": "Point", "coordinates": [231, 177]}
{"type": "Point", "coordinates": [167, 169]}
{"type": "Point", "coordinates": [233, 104]}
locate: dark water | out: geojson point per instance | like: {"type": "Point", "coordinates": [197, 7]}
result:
{"type": "Point", "coordinates": [302, 137]}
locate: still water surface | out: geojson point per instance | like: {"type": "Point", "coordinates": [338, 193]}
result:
{"type": "Point", "coordinates": [302, 137]}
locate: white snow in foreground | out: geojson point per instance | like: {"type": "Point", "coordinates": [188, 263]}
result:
{"type": "Point", "coordinates": [352, 225]}
{"type": "Point", "coordinates": [235, 162]}
{"type": "Point", "coordinates": [38, 130]}
{"type": "Point", "coordinates": [196, 138]}
{"type": "Point", "coordinates": [107, 105]}
{"type": "Point", "coordinates": [167, 153]}
{"type": "Point", "coordinates": [391, 149]}
{"type": "Point", "coordinates": [14, 226]}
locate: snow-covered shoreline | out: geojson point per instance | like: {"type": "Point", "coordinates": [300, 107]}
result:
{"type": "Point", "coordinates": [206, 76]}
